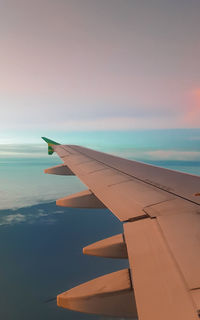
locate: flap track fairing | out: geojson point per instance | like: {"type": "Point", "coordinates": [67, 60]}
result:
{"type": "Point", "coordinates": [60, 169]}
{"type": "Point", "coordinates": [113, 247]}
{"type": "Point", "coordinates": [109, 295]}
{"type": "Point", "coordinates": [83, 199]}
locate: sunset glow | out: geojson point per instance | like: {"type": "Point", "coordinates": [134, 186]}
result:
{"type": "Point", "coordinates": [99, 65]}
{"type": "Point", "coordinates": [191, 117]}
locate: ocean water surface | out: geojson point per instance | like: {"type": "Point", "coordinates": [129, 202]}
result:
{"type": "Point", "coordinates": [41, 244]}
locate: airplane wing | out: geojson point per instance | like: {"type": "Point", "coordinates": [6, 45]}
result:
{"type": "Point", "coordinates": [160, 212]}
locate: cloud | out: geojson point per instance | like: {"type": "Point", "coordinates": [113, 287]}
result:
{"type": "Point", "coordinates": [106, 123]}
{"type": "Point", "coordinates": [173, 155]}
{"type": "Point", "coordinates": [116, 123]}
{"type": "Point", "coordinates": [58, 211]}
{"type": "Point", "coordinates": [22, 150]}
{"type": "Point", "coordinates": [158, 155]}
{"type": "Point", "coordinates": [12, 219]}
{"type": "Point", "coordinates": [30, 218]}
{"type": "Point", "coordinates": [191, 114]}
{"type": "Point", "coordinates": [195, 138]}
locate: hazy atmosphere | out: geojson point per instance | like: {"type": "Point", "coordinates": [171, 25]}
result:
{"type": "Point", "coordinates": [98, 65]}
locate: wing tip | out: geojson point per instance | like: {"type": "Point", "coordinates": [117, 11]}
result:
{"type": "Point", "coordinates": [50, 143]}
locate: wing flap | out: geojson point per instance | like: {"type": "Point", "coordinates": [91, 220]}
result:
{"type": "Point", "coordinates": [196, 297]}
{"type": "Point", "coordinates": [182, 233]}
{"type": "Point", "coordinates": [172, 207]}
{"type": "Point", "coordinates": [160, 291]}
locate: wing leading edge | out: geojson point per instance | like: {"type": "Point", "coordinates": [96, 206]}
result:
{"type": "Point", "coordinates": [161, 215]}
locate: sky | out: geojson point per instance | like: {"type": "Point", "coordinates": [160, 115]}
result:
{"type": "Point", "coordinates": [73, 65]}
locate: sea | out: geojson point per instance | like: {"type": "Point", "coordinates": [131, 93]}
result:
{"type": "Point", "coordinates": [40, 243]}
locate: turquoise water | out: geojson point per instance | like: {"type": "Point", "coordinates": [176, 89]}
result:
{"type": "Point", "coordinates": [41, 244]}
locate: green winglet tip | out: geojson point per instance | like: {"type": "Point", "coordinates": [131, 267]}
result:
{"type": "Point", "coordinates": [49, 141]}
{"type": "Point", "coordinates": [50, 144]}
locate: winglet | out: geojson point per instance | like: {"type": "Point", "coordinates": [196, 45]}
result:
{"type": "Point", "coordinates": [50, 143]}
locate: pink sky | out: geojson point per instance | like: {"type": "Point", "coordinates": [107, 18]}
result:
{"type": "Point", "coordinates": [99, 64]}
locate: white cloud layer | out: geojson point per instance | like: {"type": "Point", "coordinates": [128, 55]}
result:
{"type": "Point", "coordinates": [12, 219]}
{"type": "Point", "coordinates": [173, 155]}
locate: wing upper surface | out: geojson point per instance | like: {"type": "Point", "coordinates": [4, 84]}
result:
{"type": "Point", "coordinates": [161, 216]}
{"type": "Point", "coordinates": [178, 183]}
{"type": "Point", "coordinates": [122, 193]}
